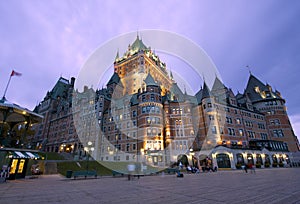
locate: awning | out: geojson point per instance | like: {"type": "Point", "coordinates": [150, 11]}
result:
{"type": "Point", "coordinates": [22, 155]}
{"type": "Point", "coordinates": [33, 155]}
{"type": "Point", "coordinates": [18, 154]}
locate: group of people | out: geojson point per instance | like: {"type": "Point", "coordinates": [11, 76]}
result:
{"type": "Point", "coordinates": [249, 166]}
{"type": "Point", "coordinates": [195, 169]}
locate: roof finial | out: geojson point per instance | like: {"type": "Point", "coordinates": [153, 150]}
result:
{"type": "Point", "coordinates": [249, 70]}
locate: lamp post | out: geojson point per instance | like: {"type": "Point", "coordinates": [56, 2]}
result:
{"type": "Point", "coordinates": [87, 150]}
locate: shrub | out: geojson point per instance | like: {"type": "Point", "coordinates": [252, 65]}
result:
{"type": "Point", "coordinates": [238, 166]}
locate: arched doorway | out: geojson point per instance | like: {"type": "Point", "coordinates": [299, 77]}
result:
{"type": "Point", "coordinates": [240, 160]}
{"type": "Point", "coordinates": [202, 159]}
{"type": "Point", "coordinates": [259, 161]}
{"type": "Point", "coordinates": [267, 161]}
{"type": "Point", "coordinates": [183, 159]}
{"type": "Point", "coordinates": [250, 159]}
{"type": "Point", "coordinates": [275, 161]}
{"type": "Point", "coordinates": [223, 161]}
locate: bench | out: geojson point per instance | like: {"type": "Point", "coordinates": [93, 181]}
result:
{"type": "Point", "coordinates": [171, 170]}
{"type": "Point", "coordinates": [138, 175]}
{"type": "Point", "coordinates": [84, 174]}
{"type": "Point", "coordinates": [131, 176]}
{"type": "Point", "coordinates": [116, 173]}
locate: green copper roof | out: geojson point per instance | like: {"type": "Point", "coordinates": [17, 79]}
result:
{"type": "Point", "coordinates": [258, 91]}
{"type": "Point", "coordinates": [150, 81]}
{"type": "Point", "coordinates": [138, 45]}
{"type": "Point", "coordinates": [218, 85]}
{"type": "Point", "coordinates": [115, 79]}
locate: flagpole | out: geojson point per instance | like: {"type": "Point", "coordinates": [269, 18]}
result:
{"type": "Point", "coordinates": [3, 98]}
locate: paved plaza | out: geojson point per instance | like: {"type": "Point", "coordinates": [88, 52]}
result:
{"type": "Point", "coordinates": [280, 185]}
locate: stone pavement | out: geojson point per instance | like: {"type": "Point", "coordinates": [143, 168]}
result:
{"type": "Point", "coordinates": [280, 185]}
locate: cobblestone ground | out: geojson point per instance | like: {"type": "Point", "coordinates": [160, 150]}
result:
{"type": "Point", "coordinates": [281, 185]}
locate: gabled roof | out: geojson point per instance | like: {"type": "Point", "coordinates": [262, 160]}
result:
{"type": "Point", "coordinates": [176, 91]}
{"type": "Point", "coordinates": [60, 88]}
{"type": "Point", "coordinates": [149, 81]}
{"type": "Point", "coordinates": [134, 99]}
{"type": "Point", "coordinates": [115, 79]}
{"type": "Point", "coordinates": [199, 95]}
{"type": "Point", "coordinates": [203, 93]}
{"type": "Point", "coordinates": [218, 85]}
{"type": "Point", "coordinates": [256, 90]}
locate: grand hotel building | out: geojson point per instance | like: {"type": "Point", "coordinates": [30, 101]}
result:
{"type": "Point", "coordinates": [143, 116]}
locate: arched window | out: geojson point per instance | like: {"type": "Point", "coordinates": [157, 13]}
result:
{"type": "Point", "coordinates": [223, 161]}
{"type": "Point", "coordinates": [240, 158]}
{"type": "Point", "coordinates": [250, 158]}
{"type": "Point", "coordinates": [259, 159]}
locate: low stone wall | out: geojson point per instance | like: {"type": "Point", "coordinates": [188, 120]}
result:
{"type": "Point", "coordinates": [50, 168]}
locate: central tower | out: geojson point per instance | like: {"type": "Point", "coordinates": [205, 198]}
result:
{"type": "Point", "coordinates": [134, 66]}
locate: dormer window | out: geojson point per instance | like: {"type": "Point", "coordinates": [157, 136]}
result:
{"type": "Point", "coordinates": [257, 89]}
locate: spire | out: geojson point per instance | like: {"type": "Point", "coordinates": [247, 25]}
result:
{"type": "Point", "coordinates": [117, 55]}
{"type": "Point", "coordinates": [206, 92]}
{"type": "Point", "coordinates": [171, 74]}
{"type": "Point", "coordinates": [218, 84]}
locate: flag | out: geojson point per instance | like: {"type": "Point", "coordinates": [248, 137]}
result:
{"type": "Point", "coordinates": [14, 73]}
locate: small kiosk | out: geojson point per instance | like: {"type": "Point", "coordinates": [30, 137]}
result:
{"type": "Point", "coordinates": [14, 161]}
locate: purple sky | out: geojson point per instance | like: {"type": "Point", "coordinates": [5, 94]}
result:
{"type": "Point", "coordinates": [47, 39]}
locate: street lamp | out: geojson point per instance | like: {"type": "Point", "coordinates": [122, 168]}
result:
{"type": "Point", "coordinates": [87, 150]}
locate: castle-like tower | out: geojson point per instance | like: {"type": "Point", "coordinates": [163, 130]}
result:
{"type": "Point", "coordinates": [134, 66]}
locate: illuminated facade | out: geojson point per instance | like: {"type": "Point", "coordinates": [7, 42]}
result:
{"type": "Point", "coordinates": [143, 116]}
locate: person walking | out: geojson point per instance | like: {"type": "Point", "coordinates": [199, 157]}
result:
{"type": "Point", "coordinates": [252, 168]}
{"type": "Point", "coordinates": [245, 168]}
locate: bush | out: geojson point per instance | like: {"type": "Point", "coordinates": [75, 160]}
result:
{"type": "Point", "coordinates": [63, 167]}
{"type": "Point", "coordinates": [281, 164]}
{"type": "Point", "coordinates": [267, 165]}
{"type": "Point", "coordinates": [258, 165]}
{"type": "Point", "coordinates": [238, 166]}
{"type": "Point", "coordinates": [51, 156]}
{"type": "Point", "coordinates": [274, 165]}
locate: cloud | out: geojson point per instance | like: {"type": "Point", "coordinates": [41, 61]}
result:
{"type": "Point", "coordinates": [46, 40]}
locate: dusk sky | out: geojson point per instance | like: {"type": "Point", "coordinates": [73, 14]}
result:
{"type": "Point", "coordinates": [44, 40]}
